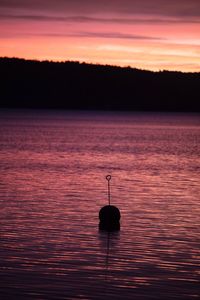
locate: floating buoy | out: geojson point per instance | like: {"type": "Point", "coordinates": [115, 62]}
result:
{"type": "Point", "coordinates": [109, 215]}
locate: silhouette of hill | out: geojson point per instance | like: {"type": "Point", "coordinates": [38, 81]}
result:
{"type": "Point", "coordinates": [74, 85]}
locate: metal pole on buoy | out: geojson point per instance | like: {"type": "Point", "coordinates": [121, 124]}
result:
{"type": "Point", "coordinates": [108, 178]}
{"type": "Point", "coordinates": [109, 215]}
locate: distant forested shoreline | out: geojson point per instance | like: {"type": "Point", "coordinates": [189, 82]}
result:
{"type": "Point", "coordinates": [82, 86]}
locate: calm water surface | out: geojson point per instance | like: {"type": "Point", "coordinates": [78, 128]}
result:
{"type": "Point", "coordinates": [52, 185]}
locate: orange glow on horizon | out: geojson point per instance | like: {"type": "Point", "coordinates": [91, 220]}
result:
{"type": "Point", "coordinates": [151, 56]}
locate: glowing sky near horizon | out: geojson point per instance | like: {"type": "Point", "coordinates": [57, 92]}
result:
{"type": "Point", "coordinates": [147, 34]}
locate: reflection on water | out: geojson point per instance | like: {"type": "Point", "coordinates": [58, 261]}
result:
{"type": "Point", "coordinates": [52, 185]}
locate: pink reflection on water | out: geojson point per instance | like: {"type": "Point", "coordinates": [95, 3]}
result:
{"type": "Point", "coordinates": [53, 185]}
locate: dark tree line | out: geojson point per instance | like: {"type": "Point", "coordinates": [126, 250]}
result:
{"type": "Point", "coordinates": [74, 85]}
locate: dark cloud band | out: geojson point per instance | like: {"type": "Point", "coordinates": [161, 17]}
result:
{"type": "Point", "coordinates": [88, 19]}
{"type": "Point", "coordinates": [101, 35]}
{"type": "Point", "coordinates": [178, 8]}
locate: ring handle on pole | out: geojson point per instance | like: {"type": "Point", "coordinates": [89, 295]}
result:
{"type": "Point", "coordinates": [108, 177]}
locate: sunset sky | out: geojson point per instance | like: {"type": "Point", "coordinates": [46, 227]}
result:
{"type": "Point", "coordinates": [147, 34]}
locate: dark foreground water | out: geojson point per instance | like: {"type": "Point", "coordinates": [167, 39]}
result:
{"type": "Point", "coordinates": [52, 185]}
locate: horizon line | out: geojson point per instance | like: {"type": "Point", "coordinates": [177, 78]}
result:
{"type": "Point", "coordinates": [98, 64]}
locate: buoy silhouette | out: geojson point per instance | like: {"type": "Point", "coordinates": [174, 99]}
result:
{"type": "Point", "coordinates": [109, 215]}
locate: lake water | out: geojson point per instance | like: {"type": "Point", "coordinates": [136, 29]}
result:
{"type": "Point", "coordinates": [52, 185]}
